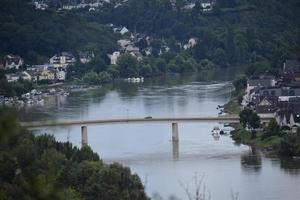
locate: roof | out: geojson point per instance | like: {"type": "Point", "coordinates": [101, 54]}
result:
{"type": "Point", "coordinates": [262, 81]}
{"type": "Point", "coordinates": [85, 54]}
{"type": "Point", "coordinates": [12, 59]}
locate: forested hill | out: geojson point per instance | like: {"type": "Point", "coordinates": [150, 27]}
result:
{"type": "Point", "coordinates": [39, 167]}
{"type": "Point", "coordinates": [235, 32]}
{"type": "Point", "coordinates": [36, 35]}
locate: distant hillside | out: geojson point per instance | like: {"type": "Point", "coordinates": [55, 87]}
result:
{"type": "Point", "coordinates": [234, 32]}
{"type": "Point", "coordinates": [35, 35]}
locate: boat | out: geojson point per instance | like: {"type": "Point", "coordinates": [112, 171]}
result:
{"type": "Point", "coordinates": [215, 131]}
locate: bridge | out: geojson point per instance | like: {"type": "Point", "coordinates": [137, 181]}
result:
{"type": "Point", "coordinates": [173, 120]}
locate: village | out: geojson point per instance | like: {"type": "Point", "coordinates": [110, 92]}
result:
{"type": "Point", "coordinates": [276, 96]}
{"type": "Point", "coordinates": [93, 5]}
{"type": "Point", "coordinates": [54, 72]}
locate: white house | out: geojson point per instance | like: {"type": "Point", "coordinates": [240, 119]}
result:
{"type": "Point", "coordinates": [61, 75]}
{"type": "Point", "coordinates": [40, 5]}
{"type": "Point", "coordinates": [191, 43]}
{"type": "Point", "coordinates": [13, 62]}
{"type": "Point", "coordinates": [114, 57]}
{"type": "Point", "coordinates": [62, 60]}
{"type": "Point", "coordinates": [124, 30]}
{"type": "Point", "coordinates": [207, 6]}
{"type": "Point", "coordinates": [15, 77]}
{"type": "Point", "coordinates": [124, 43]}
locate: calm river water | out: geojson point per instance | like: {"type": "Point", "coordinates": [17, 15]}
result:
{"type": "Point", "coordinates": [167, 168]}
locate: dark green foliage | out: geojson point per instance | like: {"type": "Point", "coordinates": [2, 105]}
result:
{"type": "Point", "coordinates": [42, 168]}
{"type": "Point", "coordinates": [248, 118]}
{"type": "Point", "coordinates": [15, 88]}
{"type": "Point", "coordinates": [273, 129]}
{"type": "Point", "coordinates": [236, 33]}
{"type": "Point", "coordinates": [290, 145]}
{"type": "Point", "coordinates": [36, 35]}
{"type": "Point", "coordinates": [240, 83]}
{"type": "Point", "coordinates": [128, 66]}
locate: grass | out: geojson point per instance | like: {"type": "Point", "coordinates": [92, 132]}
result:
{"type": "Point", "coordinates": [233, 107]}
{"type": "Point", "coordinates": [271, 144]}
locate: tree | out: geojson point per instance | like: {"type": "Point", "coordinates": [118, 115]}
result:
{"type": "Point", "coordinates": [240, 83]}
{"type": "Point", "coordinates": [207, 65]}
{"type": "Point", "coordinates": [273, 129]}
{"type": "Point", "coordinates": [39, 167]}
{"type": "Point", "coordinates": [128, 66]}
{"type": "Point", "coordinates": [161, 65]}
{"type": "Point", "coordinates": [220, 57]}
{"type": "Point", "coordinates": [248, 118]}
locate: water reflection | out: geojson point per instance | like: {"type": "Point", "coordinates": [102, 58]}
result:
{"type": "Point", "coordinates": [290, 166]}
{"type": "Point", "coordinates": [251, 161]}
{"type": "Point", "coordinates": [175, 150]}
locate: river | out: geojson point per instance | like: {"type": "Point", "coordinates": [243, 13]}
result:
{"type": "Point", "coordinates": [166, 168]}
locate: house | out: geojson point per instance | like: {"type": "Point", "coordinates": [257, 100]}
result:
{"type": "Point", "coordinates": [13, 62]}
{"type": "Point", "coordinates": [114, 57]}
{"type": "Point", "coordinates": [124, 30]}
{"type": "Point", "coordinates": [85, 56]}
{"type": "Point", "coordinates": [62, 60]}
{"type": "Point", "coordinates": [207, 6]}
{"type": "Point", "coordinates": [260, 81]}
{"type": "Point", "coordinates": [12, 77]}
{"type": "Point", "coordinates": [291, 66]}
{"type": "Point", "coordinates": [132, 49]}
{"type": "Point", "coordinates": [191, 43]}
{"type": "Point", "coordinates": [16, 76]}
{"type": "Point", "coordinates": [280, 91]}
{"type": "Point", "coordinates": [266, 108]}
{"type": "Point", "coordinates": [189, 6]}
{"type": "Point", "coordinates": [288, 113]}
{"type": "Point", "coordinates": [124, 43]}
{"type": "Point", "coordinates": [47, 74]}
{"type": "Point", "coordinates": [40, 5]}
{"type": "Point", "coordinates": [288, 118]}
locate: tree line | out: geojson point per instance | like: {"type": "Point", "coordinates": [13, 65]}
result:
{"type": "Point", "coordinates": [39, 167]}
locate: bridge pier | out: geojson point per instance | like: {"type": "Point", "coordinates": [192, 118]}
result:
{"type": "Point", "coordinates": [84, 136]}
{"type": "Point", "coordinates": [175, 150]}
{"type": "Point", "coordinates": [175, 137]}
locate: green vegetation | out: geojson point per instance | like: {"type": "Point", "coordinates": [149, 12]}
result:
{"type": "Point", "coordinates": [271, 139]}
{"type": "Point", "coordinates": [38, 167]}
{"type": "Point", "coordinates": [14, 89]}
{"type": "Point", "coordinates": [233, 106]}
{"type": "Point", "coordinates": [254, 34]}
{"type": "Point", "coordinates": [37, 35]}
{"type": "Point", "coordinates": [235, 33]}
{"type": "Point", "coordinates": [249, 118]}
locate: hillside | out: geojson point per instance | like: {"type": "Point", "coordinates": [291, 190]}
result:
{"type": "Point", "coordinates": [36, 35]}
{"type": "Point", "coordinates": [235, 32]}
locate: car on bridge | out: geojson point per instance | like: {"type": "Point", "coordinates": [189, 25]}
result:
{"type": "Point", "coordinates": [148, 117]}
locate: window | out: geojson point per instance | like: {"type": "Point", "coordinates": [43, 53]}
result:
{"type": "Point", "coordinates": [273, 93]}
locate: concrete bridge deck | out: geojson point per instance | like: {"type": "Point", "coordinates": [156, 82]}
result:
{"type": "Point", "coordinates": [225, 119]}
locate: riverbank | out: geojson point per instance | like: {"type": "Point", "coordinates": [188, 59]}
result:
{"type": "Point", "coordinates": [233, 106]}
{"type": "Point", "coordinates": [280, 144]}
{"type": "Point", "coordinates": [268, 145]}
